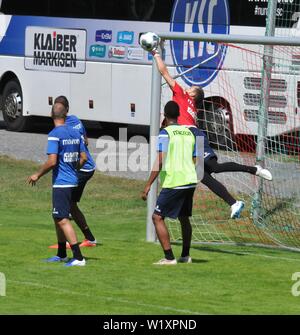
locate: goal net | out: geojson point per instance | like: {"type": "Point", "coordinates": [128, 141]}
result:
{"type": "Point", "coordinates": [231, 118]}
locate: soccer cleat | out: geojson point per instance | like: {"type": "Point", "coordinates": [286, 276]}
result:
{"type": "Point", "coordinates": [55, 246]}
{"type": "Point", "coordinates": [236, 209]}
{"type": "Point", "coordinates": [263, 173]}
{"type": "Point", "coordinates": [76, 262]}
{"type": "Point", "coordinates": [56, 259]}
{"type": "Point", "coordinates": [88, 243]}
{"type": "Point", "coordinates": [165, 261]}
{"type": "Point", "coordinates": [186, 259]}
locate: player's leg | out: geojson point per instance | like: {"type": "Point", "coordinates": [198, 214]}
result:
{"type": "Point", "coordinates": [186, 232]}
{"type": "Point", "coordinates": [62, 241]}
{"type": "Point", "coordinates": [186, 227]}
{"type": "Point", "coordinates": [169, 204]}
{"type": "Point", "coordinates": [216, 187]}
{"type": "Point", "coordinates": [220, 190]}
{"type": "Point", "coordinates": [70, 234]}
{"type": "Point", "coordinates": [77, 214]}
{"type": "Point", "coordinates": [163, 235]}
{"type": "Point", "coordinates": [217, 167]}
{"type": "Point", "coordinates": [64, 228]}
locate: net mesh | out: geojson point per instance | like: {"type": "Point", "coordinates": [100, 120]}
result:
{"type": "Point", "coordinates": [230, 119]}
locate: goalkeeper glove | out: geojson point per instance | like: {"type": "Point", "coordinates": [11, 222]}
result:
{"type": "Point", "coordinates": [154, 51]}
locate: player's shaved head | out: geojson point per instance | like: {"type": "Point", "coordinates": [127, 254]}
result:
{"type": "Point", "coordinates": [171, 110]}
{"type": "Point", "coordinates": [58, 111]}
{"type": "Point", "coordinates": [63, 100]}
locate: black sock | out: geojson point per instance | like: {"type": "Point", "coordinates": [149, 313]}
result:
{"type": "Point", "coordinates": [88, 234]}
{"type": "Point", "coordinates": [76, 252]}
{"type": "Point", "coordinates": [185, 251]}
{"type": "Point", "coordinates": [169, 254]}
{"type": "Point", "coordinates": [62, 251]}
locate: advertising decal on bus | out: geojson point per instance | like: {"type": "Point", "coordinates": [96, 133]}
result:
{"type": "Point", "coordinates": [195, 16]}
{"type": "Point", "coordinates": [55, 49]}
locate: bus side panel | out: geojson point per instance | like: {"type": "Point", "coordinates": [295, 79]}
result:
{"type": "Point", "coordinates": [94, 84]}
{"type": "Point", "coordinates": [131, 94]}
{"type": "Point", "coordinates": [36, 86]}
{"type": "Point", "coordinates": [39, 86]}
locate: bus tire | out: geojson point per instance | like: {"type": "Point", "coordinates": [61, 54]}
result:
{"type": "Point", "coordinates": [12, 107]}
{"type": "Point", "coordinates": [218, 125]}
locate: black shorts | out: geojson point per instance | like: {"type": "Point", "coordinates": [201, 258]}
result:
{"type": "Point", "coordinates": [61, 200]}
{"type": "Point", "coordinates": [174, 203]}
{"type": "Point", "coordinates": [209, 164]}
{"type": "Point", "coordinates": [83, 178]}
{"type": "Point", "coordinates": [208, 151]}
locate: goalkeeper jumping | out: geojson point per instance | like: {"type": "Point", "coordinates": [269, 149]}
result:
{"type": "Point", "coordinates": [188, 99]}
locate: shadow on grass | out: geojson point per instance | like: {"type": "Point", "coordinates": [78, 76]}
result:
{"type": "Point", "coordinates": [208, 249]}
{"type": "Point", "coordinates": [92, 258]}
{"type": "Point", "coordinates": [199, 261]}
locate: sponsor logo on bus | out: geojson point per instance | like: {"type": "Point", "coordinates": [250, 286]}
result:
{"type": "Point", "coordinates": [55, 49]}
{"type": "Point", "coordinates": [207, 17]}
{"type": "Point", "coordinates": [97, 50]}
{"type": "Point", "coordinates": [135, 53]}
{"type": "Point", "coordinates": [103, 36]}
{"type": "Point", "coordinates": [125, 37]}
{"type": "Point", "coordinates": [116, 52]}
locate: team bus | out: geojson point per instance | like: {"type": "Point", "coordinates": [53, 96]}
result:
{"type": "Point", "coordinates": [88, 50]}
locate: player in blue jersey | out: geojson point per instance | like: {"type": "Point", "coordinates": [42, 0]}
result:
{"type": "Point", "coordinates": [84, 175]}
{"type": "Point", "coordinates": [66, 154]}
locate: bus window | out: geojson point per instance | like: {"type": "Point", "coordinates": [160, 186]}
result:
{"type": "Point", "coordinates": [28, 7]}
{"type": "Point", "coordinates": [72, 8]}
{"type": "Point", "coordinates": [134, 10]}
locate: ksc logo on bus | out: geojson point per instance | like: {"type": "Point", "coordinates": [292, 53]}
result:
{"type": "Point", "coordinates": [199, 16]}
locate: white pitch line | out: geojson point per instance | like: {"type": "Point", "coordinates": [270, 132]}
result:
{"type": "Point", "coordinates": [165, 308]}
{"type": "Point", "coordinates": [268, 256]}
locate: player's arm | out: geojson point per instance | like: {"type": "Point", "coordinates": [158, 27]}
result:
{"type": "Point", "coordinates": [163, 69]}
{"type": "Point", "coordinates": [82, 155]}
{"type": "Point", "coordinates": [198, 158]}
{"type": "Point", "coordinates": [48, 166]}
{"type": "Point", "coordinates": [86, 140]}
{"type": "Point", "coordinates": [82, 159]}
{"type": "Point", "coordinates": [162, 149]}
{"type": "Point", "coordinates": [157, 166]}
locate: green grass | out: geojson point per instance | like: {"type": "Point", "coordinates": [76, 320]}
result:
{"type": "Point", "coordinates": [119, 277]}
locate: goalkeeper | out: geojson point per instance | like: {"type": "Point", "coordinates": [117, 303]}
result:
{"type": "Point", "coordinates": [187, 100]}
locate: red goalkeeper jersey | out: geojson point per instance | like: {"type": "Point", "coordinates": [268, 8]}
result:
{"type": "Point", "coordinates": [187, 109]}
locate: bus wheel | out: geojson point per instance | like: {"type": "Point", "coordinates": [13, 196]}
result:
{"type": "Point", "coordinates": [12, 105]}
{"type": "Point", "coordinates": [218, 125]}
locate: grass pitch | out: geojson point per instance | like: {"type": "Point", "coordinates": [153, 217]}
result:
{"type": "Point", "coordinates": [119, 277]}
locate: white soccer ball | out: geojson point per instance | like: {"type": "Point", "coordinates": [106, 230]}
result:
{"type": "Point", "coordinates": [149, 41]}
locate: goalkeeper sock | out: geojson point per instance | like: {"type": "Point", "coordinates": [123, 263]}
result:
{"type": "Point", "coordinates": [185, 251]}
{"type": "Point", "coordinates": [169, 254]}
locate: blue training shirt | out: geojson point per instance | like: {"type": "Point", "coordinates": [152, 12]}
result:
{"type": "Point", "coordinates": [75, 123]}
{"type": "Point", "coordinates": [208, 151]}
{"type": "Point", "coordinates": [67, 143]}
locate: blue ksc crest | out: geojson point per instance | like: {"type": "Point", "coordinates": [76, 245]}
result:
{"type": "Point", "coordinates": [199, 16]}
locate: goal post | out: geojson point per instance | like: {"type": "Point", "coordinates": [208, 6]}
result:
{"type": "Point", "coordinates": [264, 106]}
{"type": "Point", "coordinates": [274, 227]}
